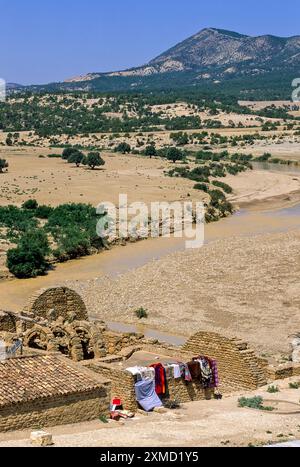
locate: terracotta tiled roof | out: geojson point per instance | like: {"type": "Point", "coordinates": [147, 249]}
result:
{"type": "Point", "coordinates": [37, 377]}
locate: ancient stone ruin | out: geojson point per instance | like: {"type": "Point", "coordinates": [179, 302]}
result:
{"type": "Point", "coordinates": [55, 329]}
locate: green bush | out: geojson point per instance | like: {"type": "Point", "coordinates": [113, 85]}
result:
{"type": "Point", "coordinates": [29, 258]}
{"type": "Point", "coordinates": [141, 313]}
{"type": "Point", "coordinates": [273, 389]}
{"type": "Point", "coordinates": [72, 244]}
{"type": "Point", "coordinates": [224, 186]}
{"type": "Point", "coordinates": [295, 385]}
{"type": "Point", "coordinates": [67, 152]}
{"type": "Point", "coordinates": [255, 402]}
{"type": "Point", "coordinates": [16, 220]}
{"type": "Point", "coordinates": [264, 158]}
{"type": "Point", "coordinates": [123, 148]}
{"type": "Point", "coordinates": [202, 187]}
{"type": "Point", "coordinates": [43, 212]}
{"type": "Point", "coordinates": [30, 204]}
{"type": "Point", "coordinates": [217, 196]}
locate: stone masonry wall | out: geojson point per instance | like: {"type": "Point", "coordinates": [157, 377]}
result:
{"type": "Point", "coordinates": [115, 342]}
{"type": "Point", "coordinates": [7, 322]}
{"type": "Point", "coordinates": [57, 302]}
{"type": "Point", "coordinates": [286, 370]}
{"type": "Point", "coordinates": [56, 411]}
{"type": "Point", "coordinates": [122, 383]}
{"type": "Point", "coordinates": [238, 366]}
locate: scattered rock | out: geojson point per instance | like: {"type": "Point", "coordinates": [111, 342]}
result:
{"type": "Point", "coordinates": [142, 412]}
{"type": "Point", "coordinates": [160, 410]}
{"type": "Point", "coordinates": [41, 438]}
{"type": "Point", "coordinates": [295, 343]}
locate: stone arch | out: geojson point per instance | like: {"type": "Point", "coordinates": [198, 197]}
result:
{"type": "Point", "coordinates": [57, 302]}
{"type": "Point", "coordinates": [239, 367]}
{"type": "Point", "coordinates": [37, 338]}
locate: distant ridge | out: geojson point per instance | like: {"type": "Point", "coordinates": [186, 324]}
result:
{"type": "Point", "coordinates": [210, 57]}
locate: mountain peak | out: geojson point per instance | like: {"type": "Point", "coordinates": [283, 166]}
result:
{"type": "Point", "coordinates": [218, 54]}
{"type": "Point", "coordinates": [219, 47]}
{"type": "Point", "coordinates": [223, 32]}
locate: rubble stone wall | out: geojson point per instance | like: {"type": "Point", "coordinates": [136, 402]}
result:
{"type": "Point", "coordinates": [239, 367]}
{"type": "Point", "coordinates": [56, 411]}
{"type": "Point", "coordinates": [57, 302]}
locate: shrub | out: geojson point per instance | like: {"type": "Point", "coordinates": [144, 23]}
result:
{"type": "Point", "coordinates": [224, 186]}
{"type": "Point", "coordinates": [29, 258]}
{"type": "Point", "coordinates": [295, 385]}
{"type": "Point", "coordinates": [72, 244]}
{"type": "Point", "coordinates": [30, 204]}
{"type": "Point", "coordinates": [43, 212]}
{"type": "Point", "coordinates": [273, 389]}
{"type": "Point", "coordinates": [264, 158]}
{"type": "Point", "coordinates": [141, 313]}
{"type": "Point", "coordinates": [103, 418]}
{"type": "Point", "coordinates": [123, 148]}
{"type": "Point", "coordinates": [17, 221]}
{"type": "Point", "coordinates": [217, 196]}
{"type": "Point", "coordinates": [255, 402]}
{"type": "Point", "coordinates": [201, 186]}
{"type": "Point", "coordinates": [67, 153]}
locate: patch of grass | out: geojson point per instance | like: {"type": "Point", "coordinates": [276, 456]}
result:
{"type": "Point", "coordinates": [141, 313]}
{"type": "Point", "coordinates": [273, 389]}
{"type": "Point", "coordinates": [255, 402]}
{"type": "Point", "coordinates": [103, 419]}
{"type": "Point", "coordinates": [295, 385]}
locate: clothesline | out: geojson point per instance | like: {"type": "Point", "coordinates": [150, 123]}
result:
{"type": "Point", "coordinates": [152, 380]}
{"type": "Point", "coordinates": [200, 368]}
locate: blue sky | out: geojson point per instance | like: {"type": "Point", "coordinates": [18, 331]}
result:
{"type": "Point", "coordinates": [50, 40]}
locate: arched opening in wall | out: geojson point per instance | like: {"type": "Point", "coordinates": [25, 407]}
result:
{"type": "Point", "coordinates": [88, 351]}
{"type": "Point", "coordinates": [37, 340]}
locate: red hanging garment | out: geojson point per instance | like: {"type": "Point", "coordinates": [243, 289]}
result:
{"type": "Point", "coordinates": [160, 378]}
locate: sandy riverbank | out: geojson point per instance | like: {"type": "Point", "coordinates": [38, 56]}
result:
{"type": "Point", "coordinates": [247, 287]}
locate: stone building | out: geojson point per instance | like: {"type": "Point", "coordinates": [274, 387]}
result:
{"type": "Point", "coordinates": [46, 390]}
{"type": "Point", "coordinates": [71, 366]}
